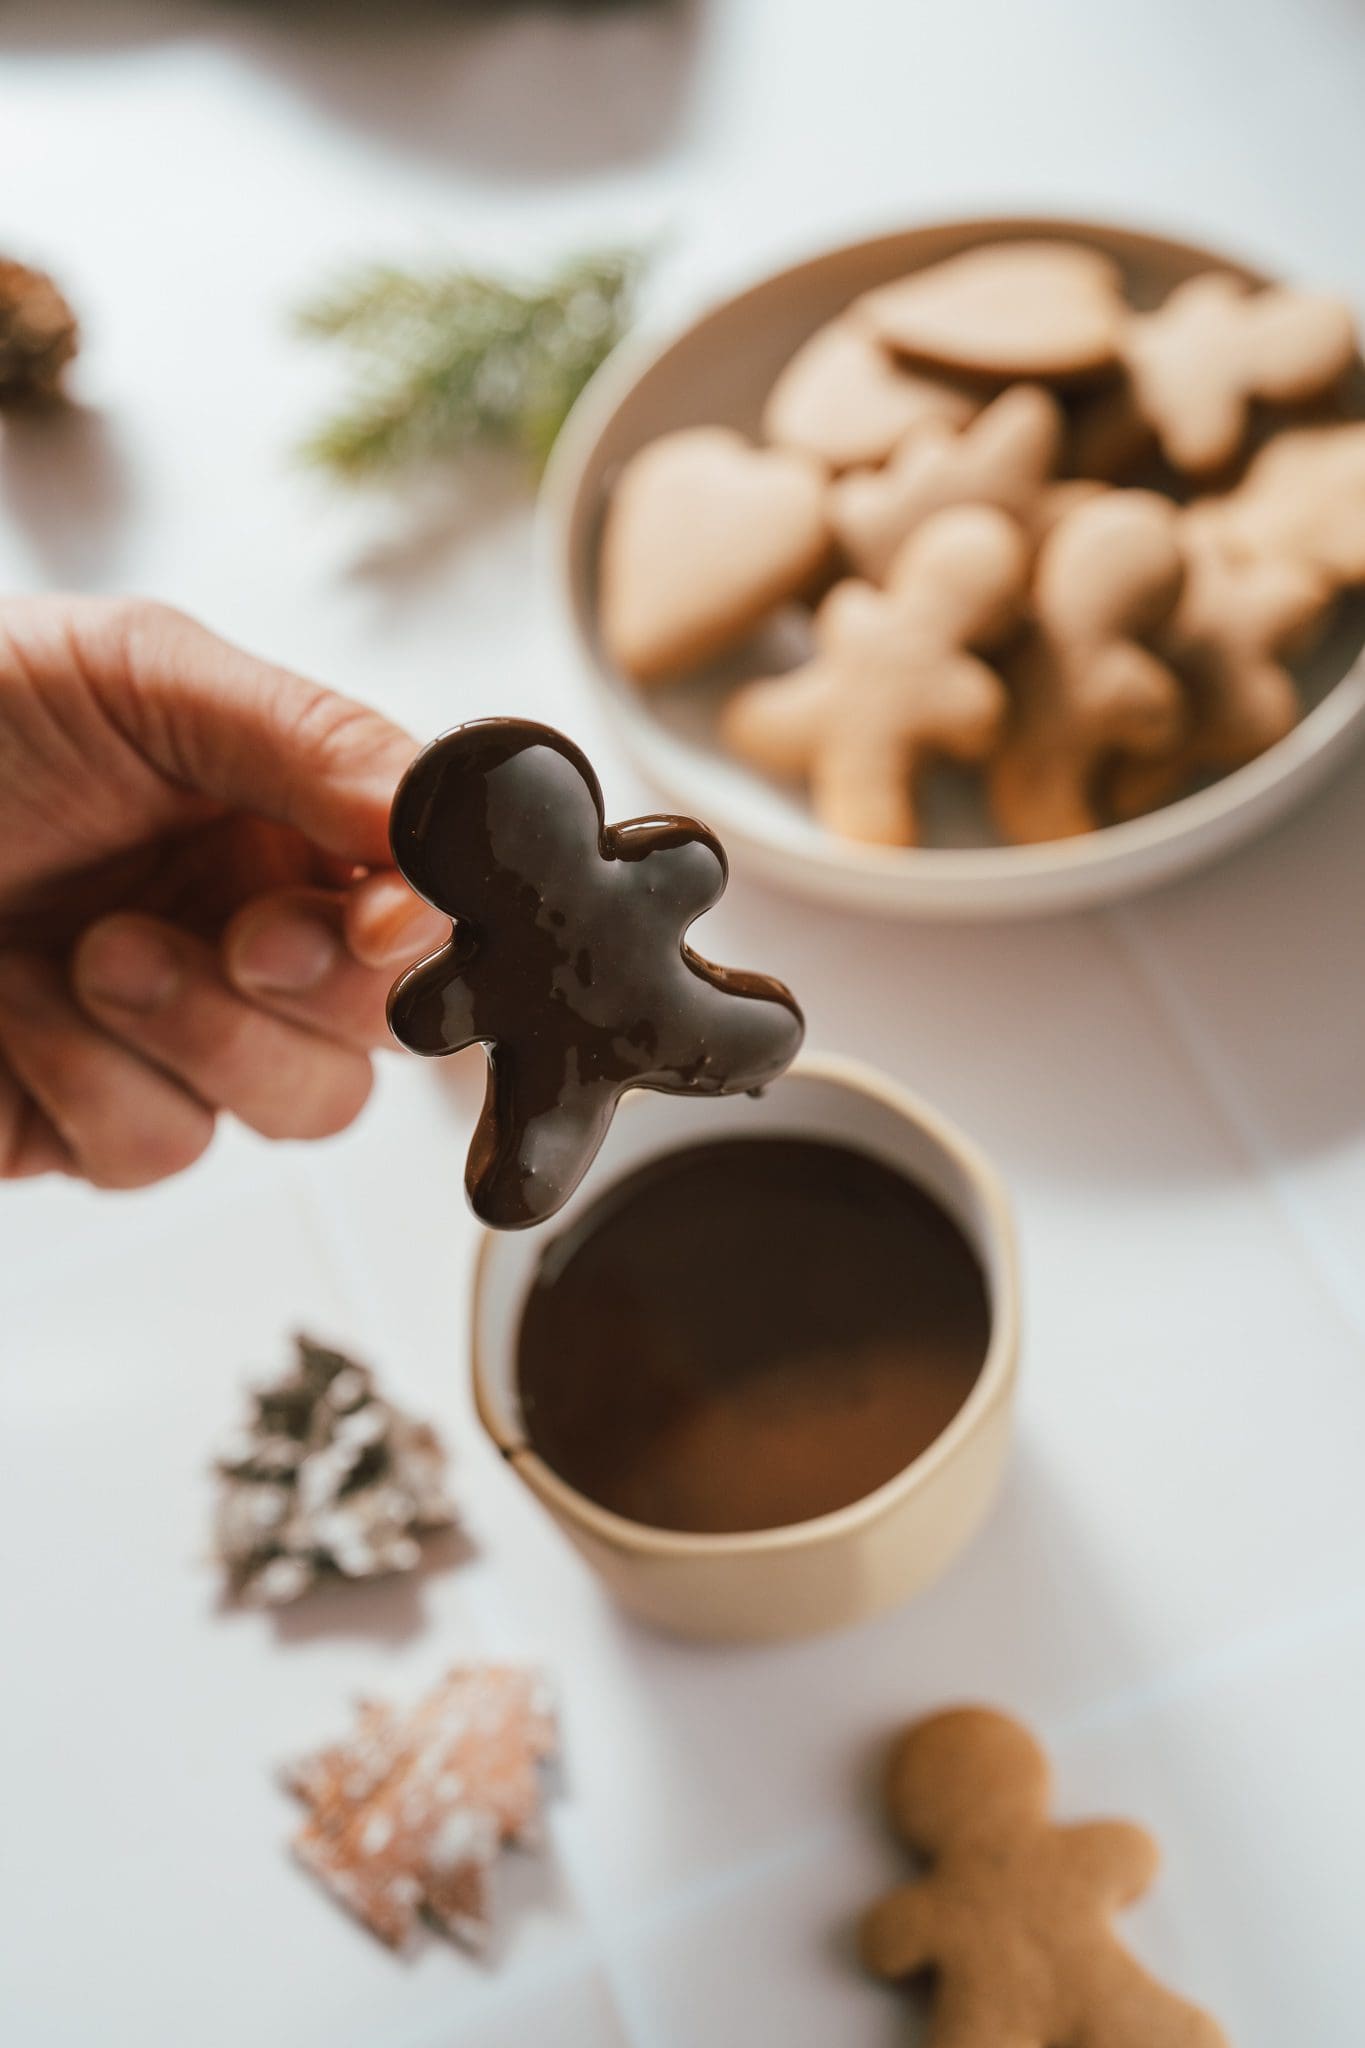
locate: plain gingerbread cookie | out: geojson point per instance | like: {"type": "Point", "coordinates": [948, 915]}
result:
{"type": "Point", "coordinates": [1004, 458]}
{"type": "Point", "coordinates": [1005, 310]}
{"type": "Point", "coordinates": [894, 681]}
{"type": "Point", "coordinates": [1012, 1919]}
{"type": "Point", "coordinates": [705, 536]}
{"type": "Point", "coordinates": [1084, 687]}
{"type": "Point", "coordinates": [1302, 499]}
{"type": "Point", "coordinates": [1197, 364]}
{"type": "Point", "coordinates": [1238, 616]}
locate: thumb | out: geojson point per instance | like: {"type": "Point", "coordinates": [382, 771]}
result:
{"type": "Point", "coordinates": [237, 730]}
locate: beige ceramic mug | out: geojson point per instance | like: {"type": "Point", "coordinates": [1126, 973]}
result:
{"type": "Point", "coordinates": [835, 1568]}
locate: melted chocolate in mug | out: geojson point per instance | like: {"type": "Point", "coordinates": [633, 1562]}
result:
{"type": "Point", "coordinates": [567, 958]}
{"type": "Point", "coordinates": [748, 1333]}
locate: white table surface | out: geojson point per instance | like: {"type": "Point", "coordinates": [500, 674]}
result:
{"type": "Point", "coordinates": [1173, 1589]}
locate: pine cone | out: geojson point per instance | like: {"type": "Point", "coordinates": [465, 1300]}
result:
{"type": "Point", "coordinates": [38, 334]}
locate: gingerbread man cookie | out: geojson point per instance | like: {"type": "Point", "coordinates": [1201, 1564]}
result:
{"type": "Point", "coordinates": [1237, 617]}
{"type": "Point", "coordinates": [1013, 1916]}
{"type": "Point", "coordinates": [1007, 309]}
{"type": "Point", "coordinates": [844, 399]}
{"type": "Point", "coordinates": [567, 960]}
{"type": "Point", "coordinates": [894, 681]}
{"type": "Point", "coordinates": [1004, 457]}
{"type": "Point", "coordinates": [1197, 364]}
{"type": "Point", "coordinates": [705, 535]}
{"type": "Point", "coordinates": [1302, 499]}
{"type": "Point", "coordinates": [1084, 687]}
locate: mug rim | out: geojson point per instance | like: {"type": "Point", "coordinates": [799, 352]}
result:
{"type": "Point", "coordinates": [994, 1241]}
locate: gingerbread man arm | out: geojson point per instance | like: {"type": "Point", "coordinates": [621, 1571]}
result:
{"type": "Point", "coordinates": [432, 1006]}
{"type": "Point", "coordinates": [746, 1033]}
{"type": "Point", "coordinates": [900, 1935]}
{"type": "Point", "coordinates": [681, 862]}
{"type": "Point", "coordinates": [1114, 1859]}
{"type": "Point", "coordinates": [777, 723]}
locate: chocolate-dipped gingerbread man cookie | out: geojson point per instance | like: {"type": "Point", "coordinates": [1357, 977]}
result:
{"type": "Point", "coordinates": [567, 960]}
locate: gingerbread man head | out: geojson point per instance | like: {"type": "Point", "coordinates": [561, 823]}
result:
{"type": "Point", "coordinates": [1011, 1921]}
{"type": "Point", "coordinates": [966, 1777]}
{"type": "Point", "coordinates": [567, 958]}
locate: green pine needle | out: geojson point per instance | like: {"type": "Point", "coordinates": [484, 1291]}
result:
{"type": "Point", "coordinates": [454, 361]}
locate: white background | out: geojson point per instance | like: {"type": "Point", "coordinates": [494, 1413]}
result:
{"type": "Point", "coordinates": [1173, 1589]}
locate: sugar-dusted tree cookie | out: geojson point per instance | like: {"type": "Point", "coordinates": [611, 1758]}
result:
{"type": "Point", "coordinates": [325, 1481]}
{"type": "Point", "coordinates": [1084, 686]}
{"type": "Point", "coordinates": [1012, 1917]}
{"type": "Point", "coordinates": [1007, 309]}
{"type": "Point", "coordinates": [846, 400]}
{"type": "Point", "coordinates": [704, 536]}
{"type": "Point", "coordinates": [1302, 499]}
{"type": "Point", "coordinates": [895, 679]}
{"type": "Point", "coordinates": [1200, 360]}
{"type": "Point", "coordinates": [406, 1817]}
{"type": "Point", "coordinates": [1004, 457]}
{"type": "Point", "coordinates": [1237, 617]}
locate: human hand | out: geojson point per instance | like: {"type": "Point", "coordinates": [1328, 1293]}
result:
{"type": "Point", "coordinates": [197, 906]}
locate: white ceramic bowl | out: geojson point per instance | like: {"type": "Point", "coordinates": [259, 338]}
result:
{"type": "Point", "coordinates": [836, 1568]}
{"type": "Point", "coordinates": [719, 369]}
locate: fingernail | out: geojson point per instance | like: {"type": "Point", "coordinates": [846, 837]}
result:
{"type": "Point", "coordinates": [127, 967]}
{"type": "Point", "coordinates": [415, 928]}
{"type": "Point", "coordinates": [285, 954]}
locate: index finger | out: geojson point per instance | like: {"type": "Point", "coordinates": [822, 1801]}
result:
{"type": "Point", "coordinates": [247, 734]}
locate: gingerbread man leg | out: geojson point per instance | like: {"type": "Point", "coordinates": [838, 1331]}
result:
{"type": "Point", "coordinates": [1125, 2007]}
{"type": "Point", "coordinates": [1037, 796]}
{"type": "Point", "coordinates": [965, 2012]}
{"type": "Point", "coordinates": [861, 788]}
{"type": "Point", "coordinates": [1138, 786]}
{"type": "Point", "coordinates": [528, 1154]}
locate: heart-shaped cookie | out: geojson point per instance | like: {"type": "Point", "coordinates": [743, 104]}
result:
{"type": "Point", "coordinates": [705, 535]}
{"type": "Point", "coordinates": [1010, 309]}
{"type": "Point", "coordinates": [845, 399]}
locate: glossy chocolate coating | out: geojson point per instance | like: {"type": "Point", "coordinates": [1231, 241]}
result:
{"type": "Point", "coordinates": [567, 958]}
{"type": "Point", "coordinates": [748, 1333]}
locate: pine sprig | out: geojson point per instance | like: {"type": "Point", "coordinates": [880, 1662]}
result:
{"type": "Point", "coordinates": [453, 361]}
